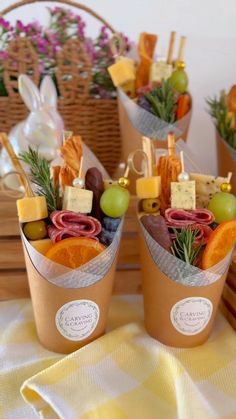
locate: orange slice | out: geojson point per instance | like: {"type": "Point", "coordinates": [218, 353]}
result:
{"type": "Point", "coordinates": [75, 251]}
{"type": "Point", "coordinates": [220, 242]}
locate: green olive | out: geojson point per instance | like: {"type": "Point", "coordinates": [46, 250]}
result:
{"type": "Point", "coordinates": [151, 205]}
{"type": "Point", "coordinates": [35, 230]}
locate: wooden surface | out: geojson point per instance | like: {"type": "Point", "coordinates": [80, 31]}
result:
{"type": "Point", "coordinates": [13, 278]}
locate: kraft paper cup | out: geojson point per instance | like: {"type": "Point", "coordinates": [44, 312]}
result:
{"type": "Point", "coordinates": [180, 308]}
{"type": "Point", "coordinates": [226, 157]}
{"type": "Point", "coordinates": [70, 307]}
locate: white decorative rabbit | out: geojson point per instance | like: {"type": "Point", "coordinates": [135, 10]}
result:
{"type": "Point", "coordinates": [43, 128]}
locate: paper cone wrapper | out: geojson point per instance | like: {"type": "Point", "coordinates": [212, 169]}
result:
{"type": "Point", "coordinates": [226, 157]}
{"type": "Point", "coordinates": [136, 122]}
{"type": "Point", "coordinates": [70, 308]}
{"type": "Point", "coordinates": [178, 311]}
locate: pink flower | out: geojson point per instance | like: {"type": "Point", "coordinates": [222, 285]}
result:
{"type": "Point", "coordinates": [5, 24]}
{"type": "Point", "coordinates": [20, 27]}
{"type": "Point", "coordinates": [3, 55]}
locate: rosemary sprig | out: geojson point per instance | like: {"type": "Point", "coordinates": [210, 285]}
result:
{"type": "Point", "coordinates": [223, 119]}
{"type": "Point", "coordinates": [40, 176]}
{"type": "Point", "coordinates": [163, 101]}
{"type": "Point", "coordinates": [183, 247]}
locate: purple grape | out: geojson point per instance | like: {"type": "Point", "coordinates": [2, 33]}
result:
{"type": "Point", "coordinates": [111, 224]}
{"type": "Point", "coordinates": [106, 237]}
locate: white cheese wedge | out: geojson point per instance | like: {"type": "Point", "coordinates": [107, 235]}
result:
{"type": "Point", "coordinates": [160, 71]}
{"type": "Point", "coordinates": [183, 195]}
{"type": "Point", "coordinates": [77, 200]}
{"type": "Point", "coordinates": [206, 187]}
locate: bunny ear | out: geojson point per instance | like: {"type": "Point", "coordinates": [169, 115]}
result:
{"type": "Point", "coordinates": [29, 92]}
{"type": "Point", "coordinates": [48, 92]}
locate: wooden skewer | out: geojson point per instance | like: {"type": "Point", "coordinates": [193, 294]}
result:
{"type": "Point", "coordinates": [181, 48]}
{"type": "Point", "coordinates": [126, 174]}
{"type": "Point", "coordinates": [148, 149]}
{"type": "Point", "coordinates": [182, 160]}
{"type": "Point", "coordinates": [171, 144]}
{"type": "Point", "coordinates": [171, 47]}
{"type": "Point", "coordinates": [81, 166]}
{"type": "Point", "coordinates": [17, 165]}
{"type": "Point", "coordinates": [229, 177]}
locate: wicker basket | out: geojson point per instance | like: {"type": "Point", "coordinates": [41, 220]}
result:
{"type": "Point", "coordinates": [96, 120]}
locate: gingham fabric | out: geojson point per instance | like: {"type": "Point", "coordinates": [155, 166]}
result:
{"type": "Point", "coordinates": [123, 375]}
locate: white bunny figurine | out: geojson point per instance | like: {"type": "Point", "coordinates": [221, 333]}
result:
{"type": "Point", "coordinates": [43, 128]}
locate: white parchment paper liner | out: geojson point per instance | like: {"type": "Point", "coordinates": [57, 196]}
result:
{"type": "Point", "coordinates": [229, 147]}
{"type": "Point", "coordinates": [178, 270]}
{"type": "Point", "coordinates": [86, 275]}
{"type": "Point", "coordinates": [149, 124]}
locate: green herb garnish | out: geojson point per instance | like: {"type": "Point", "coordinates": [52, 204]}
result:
{"type": "Point", "coordinates": [223, 119]}
{"type": "Point", "coordinates": [183, 245]}
{"type": "Point", "coordinates": [163, 101]}
{"type": "Point", "coordinates": [40, 176]}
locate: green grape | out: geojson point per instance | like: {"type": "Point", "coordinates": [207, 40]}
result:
{"type": "Point", "coordinates": [35, 230]}
{"type": "Point", "coordinates": [179, 81]}
{"type": "Point", "coordinates": [114, 201]}
{"type": "Point", "coordinates": [223, 206]}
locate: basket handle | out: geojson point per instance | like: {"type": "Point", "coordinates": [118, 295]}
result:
{"type": "Point", "coordinates": [72, 3]}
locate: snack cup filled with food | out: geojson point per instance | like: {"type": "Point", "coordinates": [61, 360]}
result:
{"type": "Point", "coordinates": [187, 235]}
{"type": "Point", "coordinates": [223, 112]}
{"type": "Point", "coordinates": [153, 95]}
{"type": "Point", "coordinates": [71, 223]}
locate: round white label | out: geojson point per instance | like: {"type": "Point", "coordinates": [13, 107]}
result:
{"type": "Point", "coordinates": [191, 315]}
{"type": "Point", "coordinates": [77, 319]}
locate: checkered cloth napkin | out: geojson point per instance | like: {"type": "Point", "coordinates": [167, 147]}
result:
{"type": "Point", "coordinates": [124, 374]}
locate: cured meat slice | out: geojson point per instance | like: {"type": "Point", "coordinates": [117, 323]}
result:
{"type": "Point", "coordinates": [70, 224]}
{"type": "Point", "coordinates": [178, 218]}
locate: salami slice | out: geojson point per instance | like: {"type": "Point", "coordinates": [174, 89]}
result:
{"type": "Point", "coordinates": [70, 224]}
{"type": "Point", "coordinates": [178, 218]}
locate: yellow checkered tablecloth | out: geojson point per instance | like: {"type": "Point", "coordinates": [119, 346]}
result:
{"type": "Point", "coordinates": [123, 375]}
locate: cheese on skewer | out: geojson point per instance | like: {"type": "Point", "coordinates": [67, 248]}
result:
{"type": "Point", "coordinates": [31, 207]}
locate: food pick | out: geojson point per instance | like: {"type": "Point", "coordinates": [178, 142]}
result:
{"type": "Point", "coordinates": [114, 201]}
{"type": "Point", "coordinates": [183, 192]}
{"type": "Point", "coordinates": [123, 72]}
{"type": "Point", "coordinates": [163, 70]}
{"type": "Point", "coordinates": [171, 48]}
{"type": "Point", "coordinates": [169, 167]}
{"type": "Point", "coordinates": [183, 176]}
{"type": "Point", "coordinates": [31, 207]}
{"type": "Point", "coordinates": [75, 197]}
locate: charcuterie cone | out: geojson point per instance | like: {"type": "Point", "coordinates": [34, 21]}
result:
{"type": "Point", "coordinates": [176, 314]}
{"type": "Point", "coordinates": [70, 316]}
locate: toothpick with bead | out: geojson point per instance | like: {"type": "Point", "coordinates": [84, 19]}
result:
{"type": "Point", "coordinates": [183, 176]}
{"type": "Point", "coordinates": [78, 182]}
{"type": "Point", "coordinates": [226, 186]}
{"type": "Point", "coordinates": [124, 181]}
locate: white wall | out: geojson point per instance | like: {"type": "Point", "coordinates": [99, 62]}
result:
{"type": "Point", "coordinates": [210, 51]}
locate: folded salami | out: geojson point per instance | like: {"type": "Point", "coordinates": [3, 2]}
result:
{"type": "Point", "coordinates": [70, 224]}
{"type": "Point", "coordinates": [179, 218]}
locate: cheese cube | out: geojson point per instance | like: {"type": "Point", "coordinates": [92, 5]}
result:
{"type": "Point", "coordinates": [32, 208]}
{"type": "Point", "coordinates": [206, 187]}
{"type": "Point", "coordinates": [77, 200]}
{"type": "Point", "coordinates": [42, 246]}
{"type": "Point", "coordinates": [183, 195]}
{"type": "Point", "coordinates": [159, 71]}
{"type": "Point", "coordinates": [148, 187]}
{"type": "Point", "coordinates": [123, 71]}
